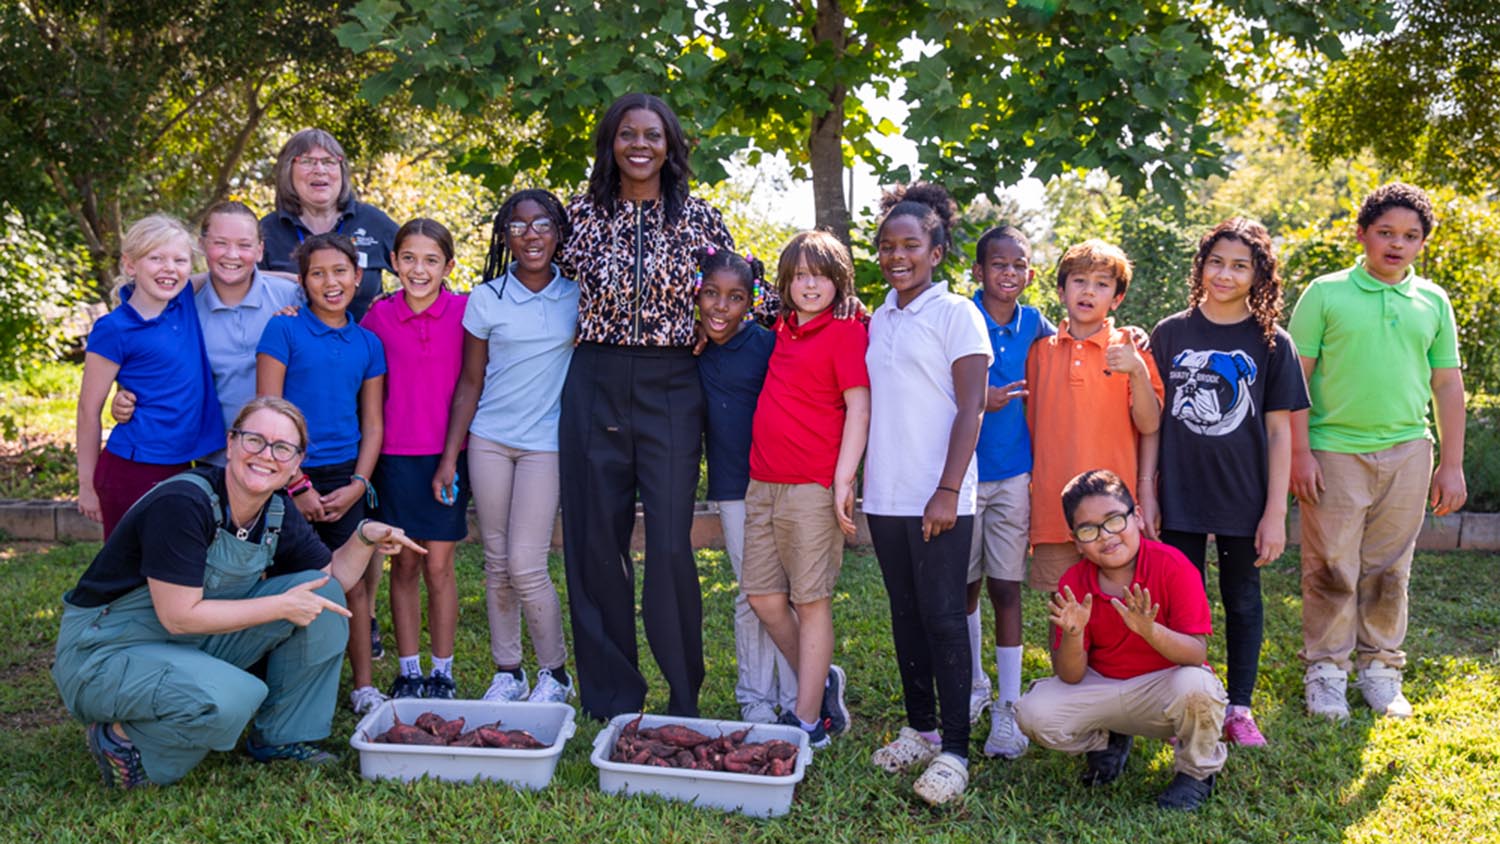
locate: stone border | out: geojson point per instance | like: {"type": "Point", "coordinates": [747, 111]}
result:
{"type": "Point", "coordinates": [60, 521]}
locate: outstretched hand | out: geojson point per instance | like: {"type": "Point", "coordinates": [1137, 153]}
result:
{"type": "Point", "coordinates": [1068, 614]}
{"type": "Point", "coordinates": [1137, 611]}
{"type": "Point", "coordinates": [301, 604]}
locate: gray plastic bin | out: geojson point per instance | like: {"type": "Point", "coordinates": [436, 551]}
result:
{"type": "Point", "coordinates": [751, 794]}
{"type": "Point", "coordinates": [551, 723]}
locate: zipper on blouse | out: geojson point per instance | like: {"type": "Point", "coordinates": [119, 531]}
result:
{"type": "Point", "coordinates": [635, 325]}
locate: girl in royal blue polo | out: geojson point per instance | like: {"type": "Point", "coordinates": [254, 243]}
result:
{"type": "Point", "coordinates": [334, 372]}
{"type": "Point", "coordinates": [152, 346]}
{"type": "Point", "coordinates": [421, 328]}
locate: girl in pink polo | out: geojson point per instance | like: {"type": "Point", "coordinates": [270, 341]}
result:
{"type": "Point", "coordinates": [421, 326]}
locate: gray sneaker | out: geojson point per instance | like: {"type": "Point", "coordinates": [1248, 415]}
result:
{"type": "Point", "coordinates": [506, 687]}
{"type": "Point", "coordinates": [1381, 687]}
{"type": "Point", "coordinates": [1326, 687]}
{"type": "Point", "coordinates": [548, 690]}
{"type": "Point", "coordinates": [979, 701]}
{"type": "Point", "coordinates": [1006, 739]}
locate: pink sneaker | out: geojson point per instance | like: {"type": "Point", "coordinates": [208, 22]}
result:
{"type": "Point", "coordinates": [1240, 729]}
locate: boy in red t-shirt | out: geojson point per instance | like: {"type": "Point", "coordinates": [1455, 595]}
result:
{"type": "Point", "coordinates": [1129, 656]}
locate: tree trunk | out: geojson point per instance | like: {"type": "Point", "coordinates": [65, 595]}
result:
{"type": "Point", "coordinates": [826, 143]}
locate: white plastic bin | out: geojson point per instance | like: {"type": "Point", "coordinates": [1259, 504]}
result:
{"type": "Point", "coordinates": [551, 723]}
{"type": "Point", "coordinates": [751, 794]}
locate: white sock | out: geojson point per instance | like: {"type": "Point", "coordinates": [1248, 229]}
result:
{"type": "Point", "coordinates": [443, 665]}
{"type": "Point", "coordinates": [411, 666]}
{"type": "Point", "coordinates": [1008, 671]}
{"type": "Point", "coordinates": [974, 635]}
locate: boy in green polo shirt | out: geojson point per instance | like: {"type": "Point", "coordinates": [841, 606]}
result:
{"type": "Point", "coordinates": [1378, 343]}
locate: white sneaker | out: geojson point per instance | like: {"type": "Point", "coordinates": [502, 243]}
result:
{"type": "Point", "coordinates": [758, 712]}
{"type": "Point", "coordinates": [547, 689]}
{"type": "Point", "coordinates": [979, 701]}
{"type": "Point", "coordinates": [505, 687]}
{"type": "Point", "coordinates": [365, 698]}
{"type": "Point", "coordinates": [1326, 688]}
{"type": "Point", "coordinates": [1006, 739]}
{"type": "Point", "coordinates": [1381, 687]}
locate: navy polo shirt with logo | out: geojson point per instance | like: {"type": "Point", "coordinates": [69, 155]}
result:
{"type": "Point", "coordinates": [373, 233]}
{"type": "Point", "coordinates": [732, 375]}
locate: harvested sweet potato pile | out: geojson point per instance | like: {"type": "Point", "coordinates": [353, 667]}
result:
{"type": "Point", "coordinates": [431, 728]}
{"type": "Point", "coordinates": [676, 746]}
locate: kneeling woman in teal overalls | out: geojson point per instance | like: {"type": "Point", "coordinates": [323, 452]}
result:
{"type": "Point", "coordinates": [207, 573]}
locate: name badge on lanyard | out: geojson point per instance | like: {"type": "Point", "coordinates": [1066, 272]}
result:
{"type": "Point", "coordinates": [364, 260]}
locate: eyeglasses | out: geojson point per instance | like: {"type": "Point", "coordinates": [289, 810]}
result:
{"type": "Point", "coordinates": [253, 443]}
{"type": "Point", "coordinates": [541, 225]}
{"type": "Point", "coordinates": [1112, 526]}
{"type": "Point", "coordinates": [321, 163]}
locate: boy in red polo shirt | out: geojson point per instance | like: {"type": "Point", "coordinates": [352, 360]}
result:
{"type": "Point", "coordinates": [806, 442]}
{"type": "Point", "coordinates": [1093, 395]}
{"type": "Point", "coordinates": [1128, 656]}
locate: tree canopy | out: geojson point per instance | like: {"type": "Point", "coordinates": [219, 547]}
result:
{"type": "Point", "coordinates": [1034, 86]}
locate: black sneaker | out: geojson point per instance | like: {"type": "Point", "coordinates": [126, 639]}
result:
{"type": "Point", "coordinates": [1105, 766]}
{"type": "Point", "coordinates": [119, 760]}
{"type": "Point", "coordinates": [409, 685]}
{"type": "Point", "coordinates": [817, 737]}
{"type": "Point", "coordinates": [440, 686]}
{"type": "Point", "coordinates": [1185, 793]}
{"type": "Point", "coordinates": [835, 711]}
{"type": "Point", "coordinates": [377, 649]}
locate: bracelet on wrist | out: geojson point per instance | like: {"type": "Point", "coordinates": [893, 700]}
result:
{"type": "Point", "coordinates": [299, 486]}
{"type": "Point", "coordinates": [371, 499]}
{"type": "Point", "coordinates": [948, 489]}
{"type": "Point", "coordinates": [359, 531]}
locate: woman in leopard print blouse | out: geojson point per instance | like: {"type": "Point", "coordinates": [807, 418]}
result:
{"type": "Point", "coordinates": [632, 409]}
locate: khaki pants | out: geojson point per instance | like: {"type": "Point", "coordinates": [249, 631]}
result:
{"type": "Point", "coordinates": [1357, 544]}
{"type": "Point", "coordinates": [1186, 702]}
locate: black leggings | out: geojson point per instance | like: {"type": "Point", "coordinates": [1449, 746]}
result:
{"type": "Point", "coordinates": [926, 583]}
{"type": "Point", "coordinates": [1244, 615]}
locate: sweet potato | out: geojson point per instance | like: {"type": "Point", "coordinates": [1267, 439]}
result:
{"type": "Point", "coordinates": [681, 736]}
{"type": "Point", "coordinates": [778, 749]}
{"type": "Point", "coordinates": [450, 730]}
{"type": "Point", "coordinates": [469, 739]}
{"type": "Point", "coordinates": [431, 722]}
{"type": "Point", "coordinates": [522, 740]}
{"type": "Point", "coordinates": [631, 728]}
{"type": "Point", "coordinates": [489, 736]}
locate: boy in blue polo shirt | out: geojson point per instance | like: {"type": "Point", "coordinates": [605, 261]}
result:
{"type": "Point", "coordinates": [1002, 268]}
{"type": "Point", "coordinates": [732, 368]}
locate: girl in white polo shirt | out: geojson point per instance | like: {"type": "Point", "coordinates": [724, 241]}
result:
{"type": "Point", "coordinates": [928, 361]}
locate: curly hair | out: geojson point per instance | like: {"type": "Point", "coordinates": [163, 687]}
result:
{"type": "Point", "coordinates": [1265, 290]}
{"type": "Point", "coordinates": [747, 270]}
{"type": "Point", "coordinates": [604, 179]}
{"type": "Point", "coordinates": [929, 203]}
{"type": "Point", "coordinates": [1397, 195]}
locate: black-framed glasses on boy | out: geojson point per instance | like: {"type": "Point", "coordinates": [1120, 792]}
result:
{"type": "Point", "coordinates": [541, 225]}
{"type": "Point", "coordinates": [253, 443]}
{"type": "Point", "coordinates": [1113, 525]}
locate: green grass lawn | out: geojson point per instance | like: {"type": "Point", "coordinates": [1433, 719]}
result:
{"type": "Point", "coordinates": [1429, 779]}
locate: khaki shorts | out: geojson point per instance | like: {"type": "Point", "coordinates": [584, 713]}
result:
{"type": "Point", "coordinates": [793, 545]}
{"type": "Point", "coordinates": [1002, 518]}
{"type": "Point", "coordinates": [1048, 562]}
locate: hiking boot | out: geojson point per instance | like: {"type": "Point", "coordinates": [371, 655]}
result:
{"type": "Point", "coordinates": [507, 687]}
{"type": "Point", "coordinates": [364, 699]}
{"type": "Point", "coordinates": [817, 737]}
{"type": "Point", "coordinates": [835, 712]}
{"type": "Point", "coordinates": [409, 685]}
{"type": "Point", "coordinates": [549, 690]}
{"type": "Point", "coordinates": [1006, 739]}
{"type": "Point", "coordinates": [1105, 766]}
{"type": "Point", "coordinates": [439, 687]}
{"type": "Point", "coordinates": [1326, 688]}
{"type": "Point", "coordinates": [979, 701]}
{"type": "Point", "coordinates": [119, 760]}
{"type": "Point", "coordinates": [296, 751]}
{"type": "Point", "coordinates": [1240, 728]}
{"type": "Point", "coordinates": [1381, 687]}
{"type": "Point", "coordinates": [1185, 793]}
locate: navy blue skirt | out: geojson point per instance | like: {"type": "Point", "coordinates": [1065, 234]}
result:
{"type": "Point", "coordinates": [404, 485]}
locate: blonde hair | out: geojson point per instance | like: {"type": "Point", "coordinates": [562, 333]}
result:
{"type": "Point", "coordinates": [1095, 254]}
{"type": "Point", "coordinates": [148, 233]}
{"type": "Point", "coordinates": [275, 404]}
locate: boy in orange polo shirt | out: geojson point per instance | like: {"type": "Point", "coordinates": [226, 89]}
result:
{"type": "Point", "coordinates": [1093, 394]}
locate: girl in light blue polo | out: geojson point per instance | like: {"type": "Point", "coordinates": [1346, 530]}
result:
{"type": "Point", "coordinates": [518, 341]}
